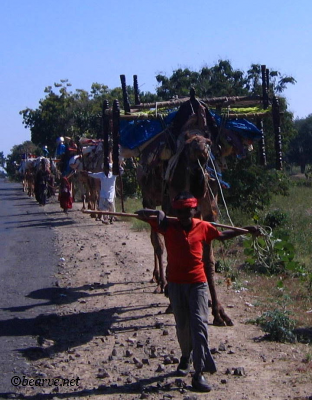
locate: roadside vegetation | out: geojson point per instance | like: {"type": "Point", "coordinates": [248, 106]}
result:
{"type": "Point", "coordinates": [276, 269]}
{"type": "Point", "coordinates": [278, 266]}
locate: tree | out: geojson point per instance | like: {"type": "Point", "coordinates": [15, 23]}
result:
{"type": "Point", "coordinates": [223, 80]}
{"type": "Point", "coordinates": [219, 80]}
{"type": "Point", "coordinates": [52, 118]}
{"type": "Point", "coordinates": [76, 114]}
{"type": "Point", "coordinates": [251, 184]}
{"type": "Point", "coordinates": [64, 113]}
{"type": "Point", "coordinates": [277, 82]}
{"type": "Point", "coordinates": [300, 149]}
{"type": "Point", "coordinates": [2, 159]}
{"type": "Point", "coordinates": [17, 153]}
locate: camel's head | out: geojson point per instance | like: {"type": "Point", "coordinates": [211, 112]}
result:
{"type": "Point", "coordinates": [197, 148]}
{"type": "Point", "coordinates": [44, 164]}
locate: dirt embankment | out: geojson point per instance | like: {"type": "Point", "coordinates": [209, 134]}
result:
{"type": "Point", "coordinates": [111, 338]}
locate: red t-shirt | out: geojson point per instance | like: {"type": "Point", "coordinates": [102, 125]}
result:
{"type": "Point", "coordinates": [185, 249]}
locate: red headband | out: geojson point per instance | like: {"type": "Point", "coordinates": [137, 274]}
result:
{"type": "Point", "coordinates": [187, 203]}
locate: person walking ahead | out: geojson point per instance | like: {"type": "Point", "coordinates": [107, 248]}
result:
{"type": "Point", "coordinates": [107, 192]}
{"type": "Point", "coordinates": [187, 281]}
{"type": "Point", "coordinates": [65, 197]}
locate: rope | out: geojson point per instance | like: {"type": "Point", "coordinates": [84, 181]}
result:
{"type": "Point", "coordinates": [264, 250]}
{"type": "Point", "coordinates": [211, 192]}
{"type": "Point", "coordinates": [221, 192]}
{"type": "Point", "coordinates": [192, 107]}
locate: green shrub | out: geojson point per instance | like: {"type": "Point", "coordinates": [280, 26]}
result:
{"type": "Point", "coordinates": [268, 254]}
{"type": "Point", "coordinates": [275, 218]}
{"type": "Point", "coordinates": [278, 326]}
{"type": "Point", "coordinates": [252, 186]}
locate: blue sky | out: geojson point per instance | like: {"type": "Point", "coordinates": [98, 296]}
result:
{"type": "Point", "coordinates": [86, 41]}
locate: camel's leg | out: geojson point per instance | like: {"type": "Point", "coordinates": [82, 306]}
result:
{"type": "Point", "coordinates": [91, 195]}
{"type": "Point", "coordinates": [84, 202]}
{"type": "Point", "coordinates": [156, 269]}
{"type": "Point", "coordinates": [220, 317]}
{"type": "Point", "coordinates": [31, 189]}
{"type": "Point", "coordinates": [73, 191]}
{"type": "Point", "coordinates": [159, 269]}
{"type": "Point", "coordinates": [154, 241]}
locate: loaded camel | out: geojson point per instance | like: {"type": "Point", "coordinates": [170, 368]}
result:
{"type": "Point", "coordinates": [44, 180]}
{"type": "Point", "coordinates": [27, 171]}
{"type": "Point", "coordinates": [185, 171]}
{"type": "Point", "coordinates": [91, 160]}
{"type": "Point", "coordinates": [177, 160]}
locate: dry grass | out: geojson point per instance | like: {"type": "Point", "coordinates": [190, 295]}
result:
{"type": "Point", "coordinates": [293, 297]}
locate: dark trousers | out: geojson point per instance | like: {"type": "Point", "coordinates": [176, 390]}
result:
{"type": "Point", "coordinates": [190, 308]}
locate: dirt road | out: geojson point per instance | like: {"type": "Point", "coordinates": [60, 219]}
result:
{"type": "Point", "coordinates": [112, 339]}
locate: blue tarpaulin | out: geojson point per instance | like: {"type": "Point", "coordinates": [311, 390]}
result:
{"type": "Point", "coordinates": [134, 133]}
{"type": "Point", "coordinates": [241, 125]}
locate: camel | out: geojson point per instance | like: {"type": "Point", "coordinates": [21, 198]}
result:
{"type": "Point", "coordinates": [29, 169]}
{"type": "Point", "coordinates": [185, 171]}
{"type": "Point", "coordinates": [43, 180]}
{"type": "Point", "coordinates": [151, 183]}
{"type": "Point", "coordinates": [91, 159]}
{"type": "Point", "coordinates": [89, 188]}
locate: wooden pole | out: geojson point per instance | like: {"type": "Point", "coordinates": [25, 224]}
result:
{"type": "Point", "coordinates": [134, 117]}
{"type": "Point", "coordinates": [267, 74]}
{"type": "Point", "coordinates": [262, 153]}
{"type": "Point", "coordinates": [277, 132]}
{"type": "Point", "coordinates": [106, 133]}
{"type": "Point", "coordinates": [212, 100]}
{"type": "Point", "coordinates": [265, 95]}
{"type": "Point", "coordinates": [116, 114]}
{"type": "Point", "coordinates": [116, 137]}
{"type": "Point", "coordinates": [121, 193]}
{"type": "Point", "coordinates": [133, 215]}
{"type": "Point", "coordinates": [125, 94]}
{"type": "Point", "coordinates": [136, 90]}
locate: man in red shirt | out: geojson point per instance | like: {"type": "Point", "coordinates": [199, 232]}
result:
{"type": "Point", "coordinates": [187, 281]}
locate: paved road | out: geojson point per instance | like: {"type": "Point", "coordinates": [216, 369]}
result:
{"type": "Point", "coordinates": [27, 264]}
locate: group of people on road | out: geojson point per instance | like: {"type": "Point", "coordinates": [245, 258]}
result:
{"type": "Point", "coordinates": [44, 181]}
{"type": "Point", "coordinates": [64, 150]}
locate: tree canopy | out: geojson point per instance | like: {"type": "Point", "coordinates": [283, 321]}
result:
{"type": "Point", "coordinates": [63, 112]}
{"type": "Point", "coordinates": [17, 153]}
{"type": "Point", "coordinates": [220, 80]}
{"type": "Point", "coordinates": [66, 113]}
{"type": "Point", "coordinates": [2, 159]}
{"type": "Point", "coordinates": [300, 149]}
